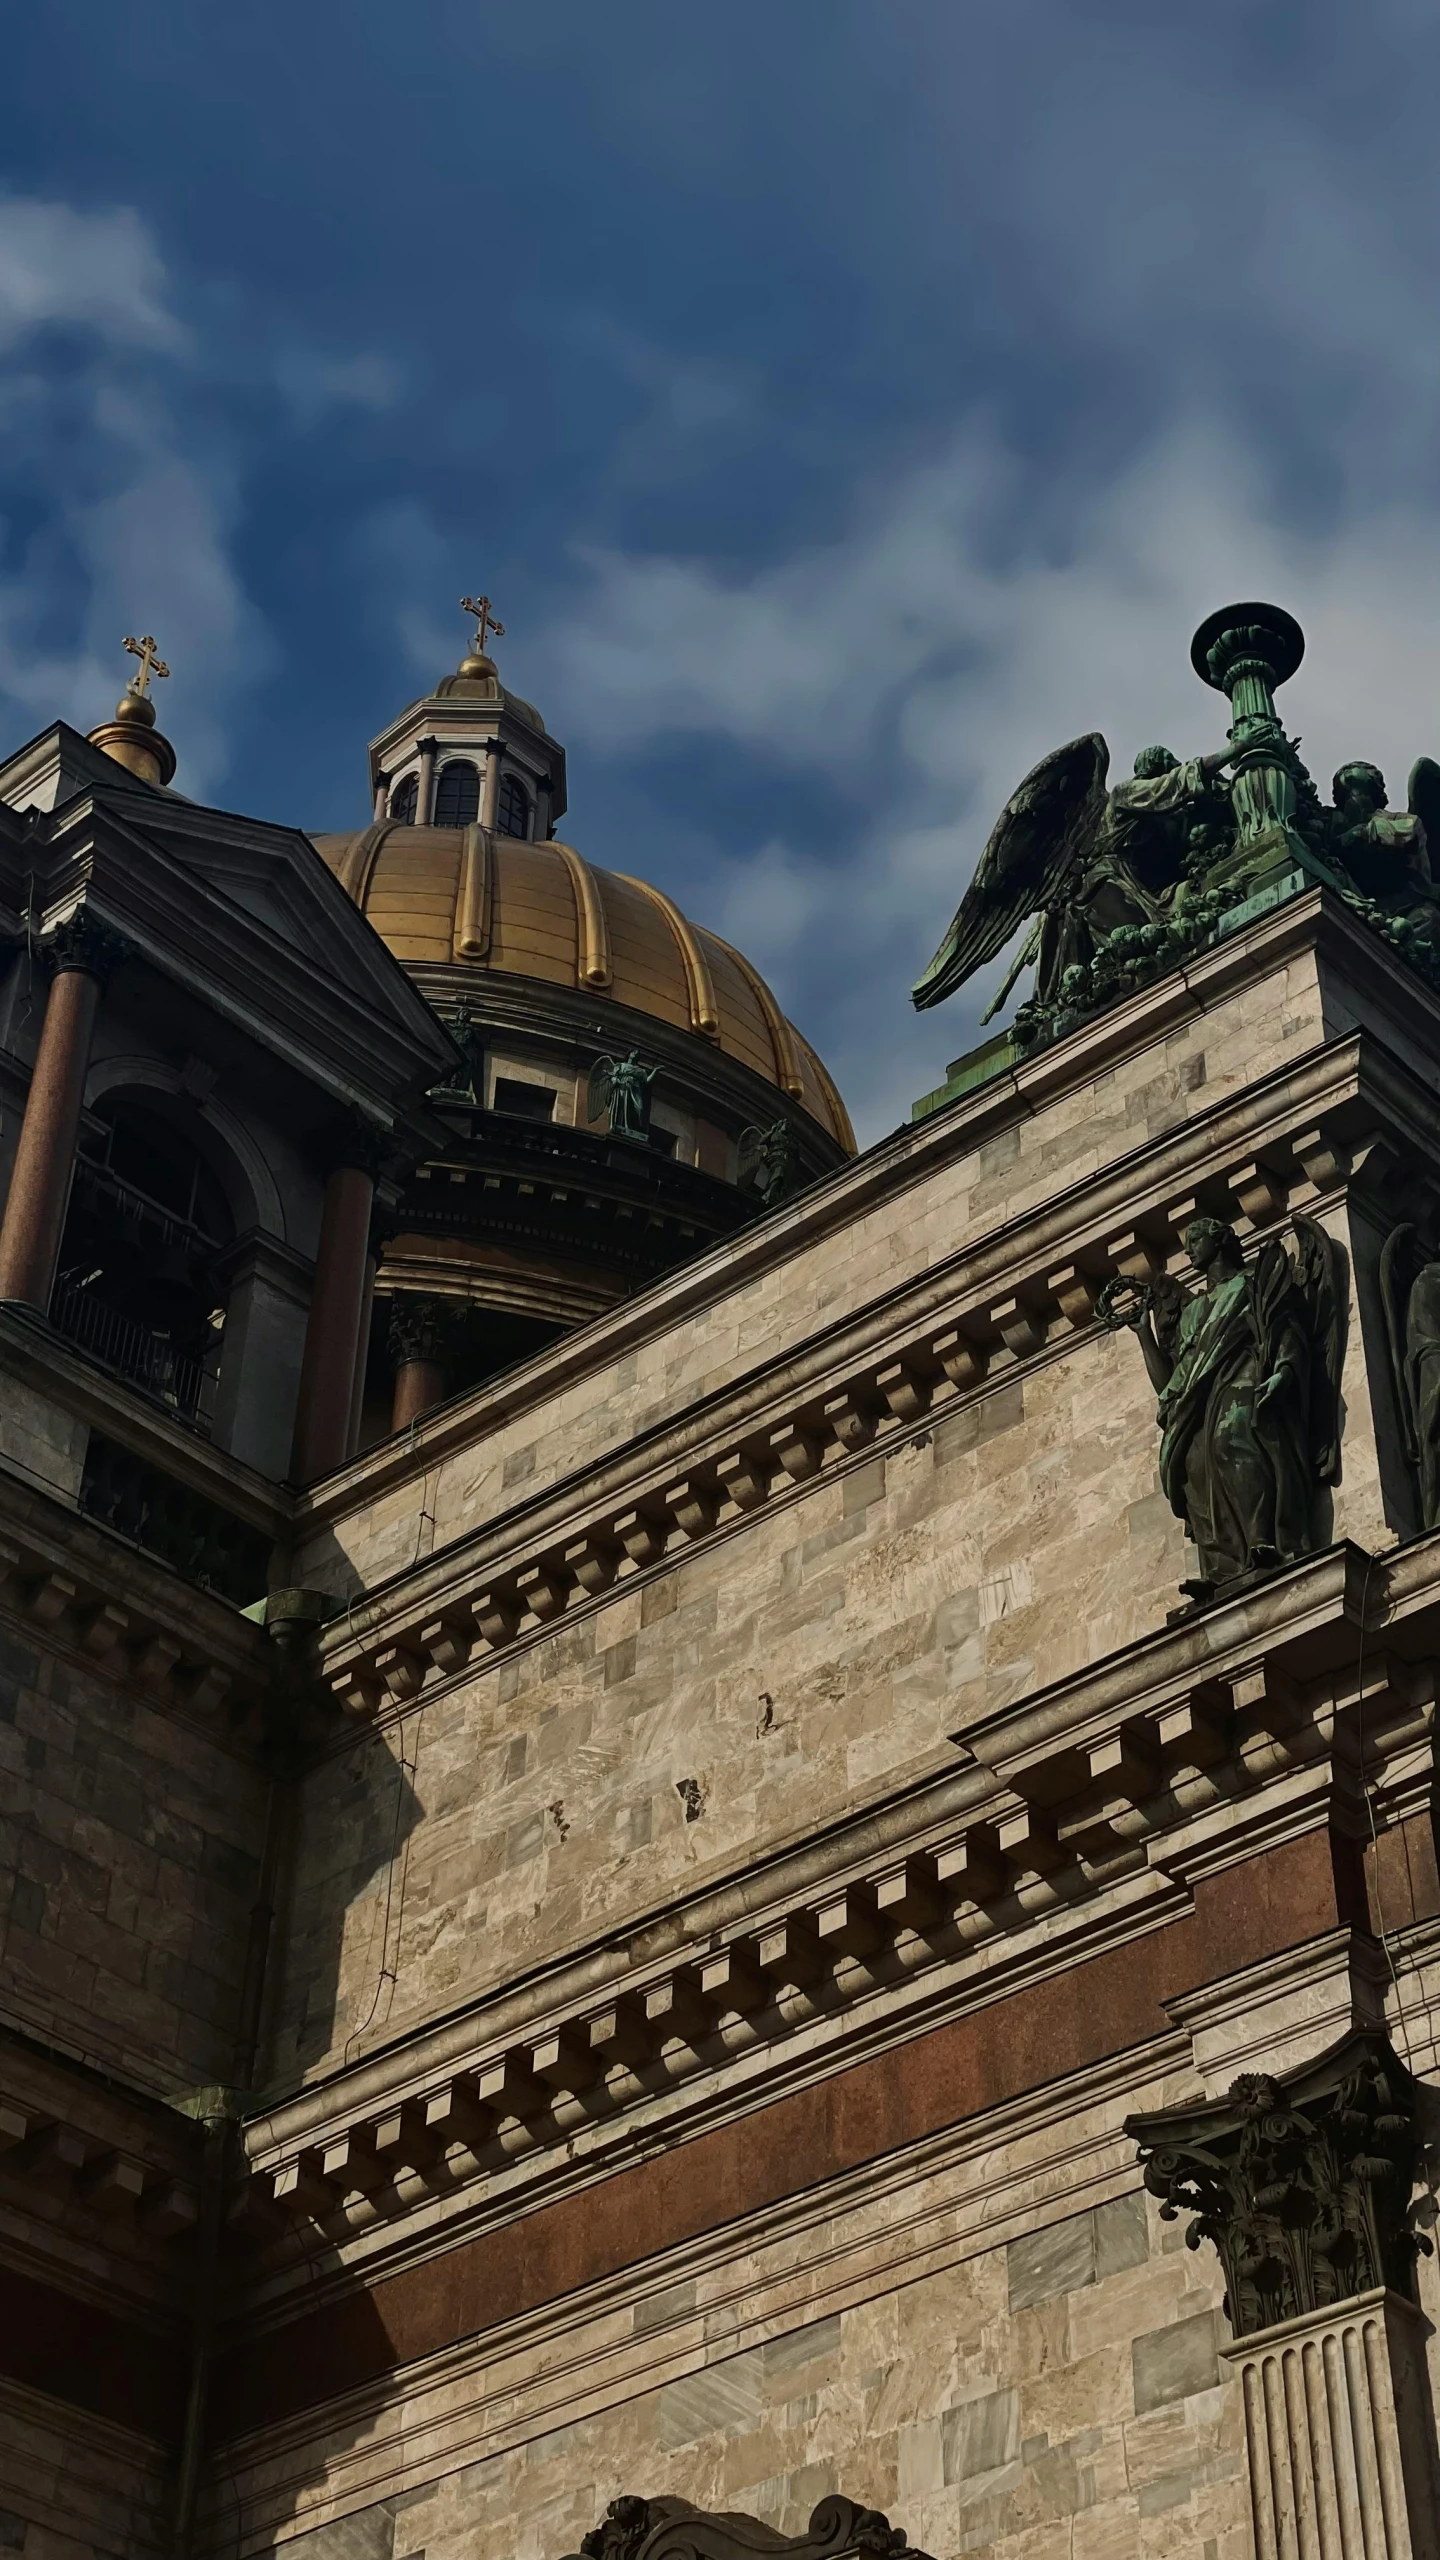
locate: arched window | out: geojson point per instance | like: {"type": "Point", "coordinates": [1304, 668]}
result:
{"type": "Point", "coordinates": [513, 815]}
{"type": "Point", "coordinates": [403, 799]}
{"type": "Point", "coordinates": [457, 794]}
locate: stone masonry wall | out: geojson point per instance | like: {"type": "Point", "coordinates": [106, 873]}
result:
{"type": "Point", "coordinates": [820, 1654]}
{"type": "Point", "coordinates": [819, 1657]}
{"type": "Point", "coordinates": [1057, 2395]}
{"type": "Point", "coordinates": [1061, 2399]}
{"type": "Point", "coordinates": [129, 1852]}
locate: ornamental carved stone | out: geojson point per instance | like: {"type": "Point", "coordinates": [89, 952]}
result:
{"type": "Point", "coordinates": [84, 942]}
{"type": "Point", "coordinates": [1302, 2184]}
{"type": "Point", "coordinates": [421, 1328]}
{"type": "Point", "coordinates": [671, 2529]}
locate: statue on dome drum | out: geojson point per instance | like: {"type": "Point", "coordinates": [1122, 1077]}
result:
{"type": "Point", "coordinates": [768, 1161]}
{"type": "Point", "coordinates": [619, 1094]}
{"type": "Point", "coordinates": [1120, 883]}
{"type": "Point", "coordinates": [1247, 1372]}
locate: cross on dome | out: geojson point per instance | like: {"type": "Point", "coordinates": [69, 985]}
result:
{"type": "Point", "coordinates": [151, 664]}
{"type": "Point", "coordinates": [485, 620]}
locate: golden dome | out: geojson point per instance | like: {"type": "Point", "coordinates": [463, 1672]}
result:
{"type": "Point", "coordinates": [445, 895]}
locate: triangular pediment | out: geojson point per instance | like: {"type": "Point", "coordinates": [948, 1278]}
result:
{"type": "Point", "coordinates": [275, 877]}
{"type": "Point", "coordinates": [236, 904]}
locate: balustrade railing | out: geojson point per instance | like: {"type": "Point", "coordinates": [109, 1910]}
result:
{"type": "Point", "coordinates": [148, 1359]}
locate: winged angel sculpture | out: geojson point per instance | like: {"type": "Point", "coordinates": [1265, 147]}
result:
{"type": "Point", "coordinates": [1080, 861]}
{"type": "Point", "coordinates": [619, 1094]}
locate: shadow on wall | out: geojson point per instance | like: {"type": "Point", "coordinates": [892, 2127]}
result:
{"type": "Point", "coordinates": [343, 1906]}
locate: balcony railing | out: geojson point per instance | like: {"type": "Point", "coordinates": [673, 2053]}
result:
{"type": "Point", "coordinates": [149, 1360]}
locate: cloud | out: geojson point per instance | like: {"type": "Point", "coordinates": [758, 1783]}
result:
{"type": "Point", "coordinates": [96, 271]}
{"type": "Point", "coordinates": [314, 384]}
{"type": "Point", "coordinates": [930, 672]}
{"type": "Point", "coordinates": [121, 501]}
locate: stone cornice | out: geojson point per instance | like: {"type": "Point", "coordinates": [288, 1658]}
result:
{"type": "Point", "coordinates": [1079, 1822]}
{"type": "Point", "coordinates": [885, 1173]}
{"type": "Point", "coordinates": [101, 1603]}
{"type": "Point", "coordinates": [1024, 1292]}
{"type": "Point", "coordinates": [119, 2166]}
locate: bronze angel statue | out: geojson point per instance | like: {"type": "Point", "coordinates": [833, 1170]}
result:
{"type": "Point", "coordinates": [1247, 1372]}
{"type": "Point", "coordinates": [619, 1094]}
{"type": "Point", "coordinates": [1079, 860]}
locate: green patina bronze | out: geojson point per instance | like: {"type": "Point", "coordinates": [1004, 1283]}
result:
{"type": "Point", "coordinates": [1120, 884]}
{"type": "Point", "coordinates": [1247, 1371]}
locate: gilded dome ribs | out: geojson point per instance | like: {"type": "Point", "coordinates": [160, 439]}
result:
{"type": "Point", "coordinates": [593, 964]}
{"type": "Point", "coordinates": [471, 939]}
{"type": "Point", "coordinates": [782, 1039]}
{"type": "Point", "coordinates": [700, 986]}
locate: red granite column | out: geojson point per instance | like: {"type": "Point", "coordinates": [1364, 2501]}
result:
{"type": "Point", "coordinates": [332, 1334]}
{"type": "Point", "coordinates": [362, 1351]}
{"type": "Point", "coordinates": [418, 1332]}
{"type": "Point", "coordinates": [82, 951]}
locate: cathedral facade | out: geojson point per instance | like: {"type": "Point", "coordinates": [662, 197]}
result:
{"type": "Point", "coordinates": [715, 1846]}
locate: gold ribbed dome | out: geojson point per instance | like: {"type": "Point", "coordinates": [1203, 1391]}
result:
{"type": "Point", "coordinates": [540, 911]}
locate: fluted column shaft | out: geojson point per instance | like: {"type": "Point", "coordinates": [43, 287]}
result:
{"type": "Point", "coordinates": [1336, 2432]}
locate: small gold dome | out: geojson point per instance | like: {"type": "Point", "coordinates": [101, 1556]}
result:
{"type": "Point", "coordinates": [441, 896]}
{"type": "Point", "coordinates": [131, 738]}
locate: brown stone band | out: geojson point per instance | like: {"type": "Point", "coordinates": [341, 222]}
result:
{"type": "Point", "coordinates": [1080, 2018]}
{"type": "Point", "coordinates": [95, 2359]}
{"type": "Point", "coordinates": [1070, 2023]}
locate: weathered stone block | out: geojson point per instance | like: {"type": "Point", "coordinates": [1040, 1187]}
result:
{"type": "Point", "coordinates": [1170, 2364]}
{"type": "Point", "coordinates": [980, 2436]}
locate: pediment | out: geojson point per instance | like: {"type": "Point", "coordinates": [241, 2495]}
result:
{"type": "Point", "coordinates": [275, 878]}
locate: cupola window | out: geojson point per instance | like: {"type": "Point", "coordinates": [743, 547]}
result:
{"type": "Point", "coordinates": [457, 794]}
{"type": "Point", "coordinates": [403, 798]}
{"type": "Point", "coordinates": [513, 815]}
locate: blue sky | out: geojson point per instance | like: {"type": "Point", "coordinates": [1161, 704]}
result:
{"type": "Point", "coordinates": [844, 400]}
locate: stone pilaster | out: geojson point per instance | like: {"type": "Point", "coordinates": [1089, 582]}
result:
{"type": "Point", "coordinates": [1336, 2417]}
{"type": "Point", "coordinates": [1303, 2186]}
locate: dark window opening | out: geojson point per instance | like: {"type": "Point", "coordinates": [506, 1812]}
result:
{"type": "Point", "coordinates": [664, 1141]}
{"type": "Point", "coordinates": [457, 794]}
{"type": "Point", "coordinates": [524, 1101]}
{"type": "Point", "coordinates": [512, 818]}
{"type": "Point", "coordinates": [404, 800]}
{"type": "Point", "coordinates": [137, 1287]}
{"type": "Point", "coordinates": [206, 1544]}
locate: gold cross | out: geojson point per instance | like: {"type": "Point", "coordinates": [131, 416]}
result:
{"type": "Point", "coordinates": [151, 664]}
{"type": "Point", "coordinates": [484, 618]}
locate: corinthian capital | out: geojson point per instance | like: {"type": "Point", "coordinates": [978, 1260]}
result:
{"type": "Point", "coordinates": [85, 942]}
{"type": "Point", "coordinates": [1301, 2184]}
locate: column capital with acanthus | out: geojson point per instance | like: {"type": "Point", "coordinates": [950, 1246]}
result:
{"type": "Point", "coordinates": [84, 941]}
{"type": "Point", "coordinates": [1302, 2183]}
